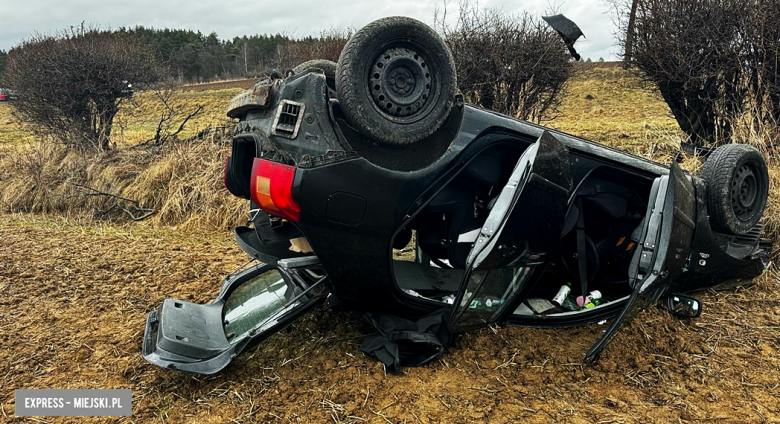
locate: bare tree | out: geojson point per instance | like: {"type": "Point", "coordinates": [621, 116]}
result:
{"type": "Point", "coordinates": [515, 65]}
{"type": "Point", "coordinates": [70, 85]}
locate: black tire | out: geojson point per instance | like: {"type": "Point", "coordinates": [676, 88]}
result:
{"type": "Point", "coordinates": [737, 188]}
{"type": "Point", "coordinates": [419, 64]}
{"type": "Point", "coordinates": [327, 66]}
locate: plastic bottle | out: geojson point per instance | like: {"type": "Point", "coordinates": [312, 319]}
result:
{"type": "Point", "coordinates": [562, 294]}
{"type": "Point", "coordinates": [592, 300]}
{"type": "Point", "coordinates": [582, 301]}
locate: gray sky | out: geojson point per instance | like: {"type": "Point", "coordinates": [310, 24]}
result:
{"type": "Point", "coordinates": [20, 19]}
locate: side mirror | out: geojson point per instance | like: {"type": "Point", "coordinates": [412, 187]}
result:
{"type": "Point", "coordinates": [684, 306]}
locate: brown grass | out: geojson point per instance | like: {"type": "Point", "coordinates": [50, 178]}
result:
{"type": "Point", "coordinates": [74, 298]}
{"type": "Point", "coordinates": [182, 180]}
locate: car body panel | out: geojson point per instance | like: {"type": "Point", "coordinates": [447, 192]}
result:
{"type": "Point", "coordinates": [391, 198]}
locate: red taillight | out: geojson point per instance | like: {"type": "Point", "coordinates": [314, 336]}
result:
{"type": "Point", "coordinates": [271, 189]}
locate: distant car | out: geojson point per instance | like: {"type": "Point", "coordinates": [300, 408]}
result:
{"type": "Point", "coordinates": [400, 200]}
{"type": "Point", "coordinates": [5, 94]}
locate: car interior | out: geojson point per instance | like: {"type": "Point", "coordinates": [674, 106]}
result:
{"type": "Point", "coordinates": [430, 253]}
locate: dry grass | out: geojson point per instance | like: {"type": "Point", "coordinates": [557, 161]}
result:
{"type": "Point", "coordinates": [74, 298]}
{"type": "Point", "coordinates": [139, 118]}
{"type": "Point", "coordinates": [11, 130]}
{"type": "Point", "coordinates": [621, 112]}
{"type": "Point", "coordinates": [180, 180]}
{"type": "Point", "coordinates": [74, 294]}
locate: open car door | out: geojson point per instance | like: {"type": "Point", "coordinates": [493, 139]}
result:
{"type": "Point", "coordinates": [251, 306]}
{"type": "Point", "coordinates": [522, 227]}
{"type": "Point", "coordinates": [665, 245]}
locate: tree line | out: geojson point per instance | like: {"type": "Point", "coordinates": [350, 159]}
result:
{"type": "Point", "coordinates": [192, 56]}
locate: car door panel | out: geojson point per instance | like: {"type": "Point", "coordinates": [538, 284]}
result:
{"type": "Point", "coordinates": [522, 227]}
{"type": "Point", "coordinates": [665, 246]}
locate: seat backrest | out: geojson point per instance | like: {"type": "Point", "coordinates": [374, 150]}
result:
{"type": "Point", "coordinates": [455, 206]}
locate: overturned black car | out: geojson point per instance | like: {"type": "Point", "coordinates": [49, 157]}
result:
{"type": "Point", "coordinates": [348, 167]}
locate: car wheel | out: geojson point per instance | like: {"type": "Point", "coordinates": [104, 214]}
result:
{"type": "Point", "coordinates": [737, 187]}
{"type": "Point", "coordinates": [327, 66]}
{"type": "Point", "coordinates": [396, 81]}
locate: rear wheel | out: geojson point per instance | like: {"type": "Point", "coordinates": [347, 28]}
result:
{"type": "Point", "coordinates": [327, 66]}
{"type": "Point", "coordinates": [396, 81]}
{"type": "Point", "coordinates": [737, 187]}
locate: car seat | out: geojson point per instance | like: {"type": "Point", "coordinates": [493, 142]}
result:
{"type": "Point", "coordinates": [450, 223]}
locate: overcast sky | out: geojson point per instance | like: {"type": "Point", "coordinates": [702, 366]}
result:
{"type": "Point", "coordinates": [21, 19]}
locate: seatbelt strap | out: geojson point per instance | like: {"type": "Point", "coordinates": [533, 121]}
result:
{"type": "Point", "coordinates": [582, 261]}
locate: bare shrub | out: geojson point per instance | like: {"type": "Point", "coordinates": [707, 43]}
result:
{"type": "Point", "coordinates": [711, 60]}
{"type": "Point", "coordinates": [762, 61]}
{"type": "Point", "coordinates": [172, 116]}
{"type": "Point", "coordinates": [71, 85]}
{"type": "Point", "coordinates": [515, 65]}
{"type": "Point", "coordinates": [327, 46]}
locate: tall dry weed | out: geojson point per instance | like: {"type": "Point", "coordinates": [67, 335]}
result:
{"type": "Point", "coordinates": [181, 180]}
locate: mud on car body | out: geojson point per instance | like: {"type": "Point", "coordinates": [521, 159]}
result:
{"type": "Point", "coordinates": [347, 165]}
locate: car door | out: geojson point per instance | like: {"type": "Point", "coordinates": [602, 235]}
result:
{"type": "Point", "coordinates": [665, 245]}
{"type": "Point", "coordinates": [522, 227]}
{"type": "Point", "coordinates": [251, 306]}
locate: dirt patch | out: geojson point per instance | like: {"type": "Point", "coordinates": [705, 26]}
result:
{"type": "Point", "coordinates": [73, 301]}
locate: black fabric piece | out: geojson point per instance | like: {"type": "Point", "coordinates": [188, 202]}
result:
{"type": "Point", "coordinates": [568, 30]}
{"type": "Point", "coordinates": [401, 342]}
{"type": "Point", "coordinates": [565, 27]}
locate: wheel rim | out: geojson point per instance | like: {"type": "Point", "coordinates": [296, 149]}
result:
{"type": "Point", "coordinates": [744, 192]}
{"type": "Point", "coordinates": [400, 83]}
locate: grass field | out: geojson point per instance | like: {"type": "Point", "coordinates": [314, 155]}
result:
{"type": "Point", "coordinates": [139, 117]}
{"type": "Point", "coordinates": [75, 291]}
